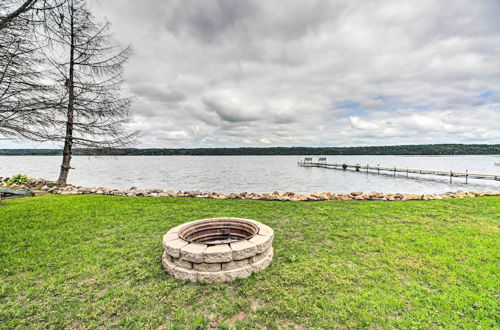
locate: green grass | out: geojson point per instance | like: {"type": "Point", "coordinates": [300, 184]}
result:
{"type": "Point", "coordinates": [95, 261]}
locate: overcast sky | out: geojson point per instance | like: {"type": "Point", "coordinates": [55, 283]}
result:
{"type": "Point", "coordinates": [310, 73]}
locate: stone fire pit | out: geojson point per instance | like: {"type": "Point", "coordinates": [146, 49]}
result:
{"type": "Point", "coordinates": [217, 249]}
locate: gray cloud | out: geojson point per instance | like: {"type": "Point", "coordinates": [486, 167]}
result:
{"type": "Point", "coordinates": [229, 111]}
{"type": "Point", "coordinates": [159, 94]}
{"type": "Point", "coordinates": [208, 20]}
{"type": "Point", "coordinates": [231, 73]}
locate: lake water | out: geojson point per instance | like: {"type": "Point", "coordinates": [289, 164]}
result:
{"type": "Point", "coordinates": [256, 173]}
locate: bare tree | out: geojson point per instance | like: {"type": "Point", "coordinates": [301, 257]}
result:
{"type": "Point", "coordinates": [10, 10]}
{"type": "Point", "coordinates": [90, 70]}
{"type": "Point", "coordinates": [7, 18]}
{"type": "Point", "coordinates": [25, 88]}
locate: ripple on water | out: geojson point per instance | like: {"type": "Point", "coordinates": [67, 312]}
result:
{"type": "Point", "coordinates": [256, 173]}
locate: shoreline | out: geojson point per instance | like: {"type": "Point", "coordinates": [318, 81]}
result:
{"type": "Point", "coordinates": [43, 186]}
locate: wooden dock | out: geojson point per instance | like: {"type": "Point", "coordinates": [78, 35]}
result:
{"type": "Point", "coordinates": [308, 162]}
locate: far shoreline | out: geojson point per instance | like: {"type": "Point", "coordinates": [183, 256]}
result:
{"type": "Point", "coordinates": [249, 155]}
{"type": "Point", "coordinates": [389, 150]}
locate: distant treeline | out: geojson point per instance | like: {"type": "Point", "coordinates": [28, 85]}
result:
{"type": "Point", "coordinates": [421, 149]}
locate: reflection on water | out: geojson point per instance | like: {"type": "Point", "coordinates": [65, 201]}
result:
{"type": "Point", "coordinates": [257, 173]}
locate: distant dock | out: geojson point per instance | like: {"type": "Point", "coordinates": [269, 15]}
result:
{"type": "Point", "coordinates": [321, 162]}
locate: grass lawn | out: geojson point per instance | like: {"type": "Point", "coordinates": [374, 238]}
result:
{"type": "Point", "coordinates": [95, 261]}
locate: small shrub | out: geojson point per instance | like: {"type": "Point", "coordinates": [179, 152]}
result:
{"type": "Point", "coordinates": [18, 179]}
{"type": "Point", "coordinates": [51, 184]}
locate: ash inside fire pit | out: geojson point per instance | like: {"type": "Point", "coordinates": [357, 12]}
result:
{"type": "Point", "coordinates": [218, 231]}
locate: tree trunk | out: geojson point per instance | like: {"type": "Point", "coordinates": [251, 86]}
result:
{"type": "Point", "coordinates": [68, 141]}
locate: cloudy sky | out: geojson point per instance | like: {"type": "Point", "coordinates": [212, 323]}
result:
{"type": "Point", "coordinates": [311, 73]}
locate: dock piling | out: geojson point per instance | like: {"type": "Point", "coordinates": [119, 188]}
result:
{"type": "Point", "coordinates": [308, 162]}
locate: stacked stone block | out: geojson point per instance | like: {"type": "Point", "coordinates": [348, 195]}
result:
{"type": "Point", "coordinates": [198, 262]}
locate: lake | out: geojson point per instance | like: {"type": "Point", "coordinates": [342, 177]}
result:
{"type": "Point", "coordinates": [256, 173]}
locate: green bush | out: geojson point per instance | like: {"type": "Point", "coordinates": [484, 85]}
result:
{"type": "Point", "coordinates": [18, 179]}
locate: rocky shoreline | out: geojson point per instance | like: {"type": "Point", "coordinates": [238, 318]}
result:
{"type": "Point", "coordinates": [43, 186]}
